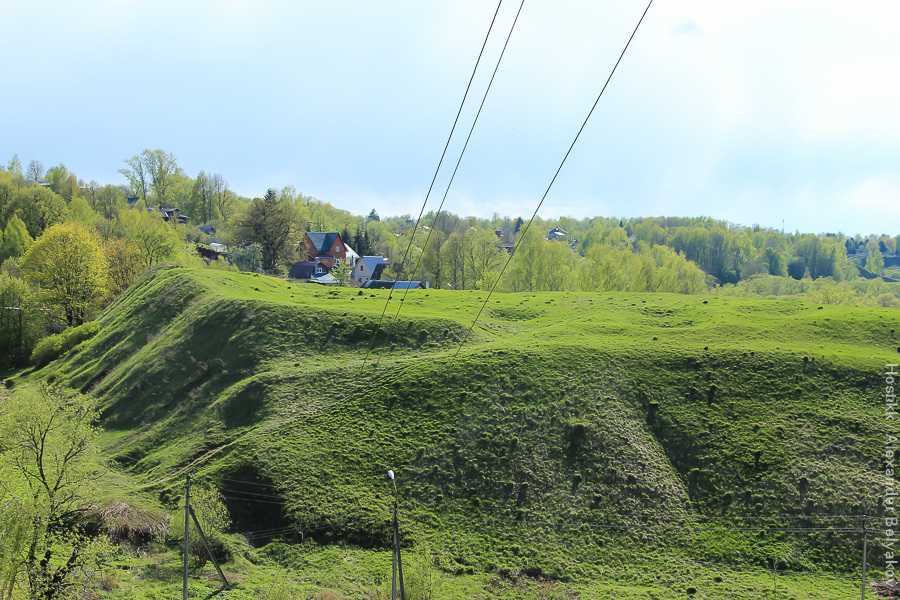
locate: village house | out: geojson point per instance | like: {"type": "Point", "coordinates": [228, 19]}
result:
{"type": "Point", "coordinates": [368, 268]}
{"type": "Point", "coordinates": [557, 234]}
{"type": "Point", "coordinates": [323, 250]}
{"type": "Point", "coordinates": [306, 269]}
{"type": "Point", "coordinates": [327, 248]}
{"type": "Point", "coordinates": [212, 251]}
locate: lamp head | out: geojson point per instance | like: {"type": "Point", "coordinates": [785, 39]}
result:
{"type": "Point", "coordinates": [390, 474]}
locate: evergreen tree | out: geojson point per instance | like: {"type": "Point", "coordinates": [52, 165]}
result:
{"type": "Point", "coordinates": [268, 222]}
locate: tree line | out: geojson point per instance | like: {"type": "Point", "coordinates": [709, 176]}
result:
{"type": "Point", "coordinates": [68, 246]}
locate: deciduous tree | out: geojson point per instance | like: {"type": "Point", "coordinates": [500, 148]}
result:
{"type": "Point", "coordinates": [68, 268]}
{"type": "Point", "coordinates": [126, 262]}
{"type": "Point", "coordinates": [35, 171]}
{"type": "Point", "coordinates": [63, 182]}
{"type": "Point", "coordinates": [50, 450]}
{"type": "Point", "coordinates": [16, 240]}
{"type": "Point", "coordinates": [161, 168]}
{"type": "Point", "coordinates": [37, 206]}
{"type": "Point", "coordinates": [14, 167]}
{"type": "Point", "coordinates": [155, 239]}
{"type": "Point", "coordinates": [874, 258]}
{"type": "Point", "coordinates": [136, 174]}
{"type": "Point", "coordinates": [20, 323]}
{"type": "Point", "coordinates": [222, 196]}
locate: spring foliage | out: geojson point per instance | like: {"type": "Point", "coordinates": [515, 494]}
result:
{"type": "Point", "coordinates": [68, 267]}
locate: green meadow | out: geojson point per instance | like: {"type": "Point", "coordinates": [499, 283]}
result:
{"type": "Point", "coordinates": [575, 445]}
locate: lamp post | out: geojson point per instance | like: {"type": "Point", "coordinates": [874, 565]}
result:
{"type": "Point", "coordinates": [396, 561]}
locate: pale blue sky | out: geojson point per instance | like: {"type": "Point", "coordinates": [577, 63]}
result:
{"type": "Point", "coordinates": [748, 111]}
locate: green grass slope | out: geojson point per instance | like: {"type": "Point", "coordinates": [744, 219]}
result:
{"type": "Point", "coordinates": [607, 442]}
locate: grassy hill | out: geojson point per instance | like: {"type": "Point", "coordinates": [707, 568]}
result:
{"type": "Point", "coordinates": [601, 444]}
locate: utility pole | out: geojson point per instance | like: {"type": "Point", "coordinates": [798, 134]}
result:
{"type": "Point", "coordinates": [396, 561]}
{"type": "Point", "coordinates": [774, 579]}
{"type": "Point", "coordinates": [865, 533]}
{"type": "Point", "coordinates": [187, 542]}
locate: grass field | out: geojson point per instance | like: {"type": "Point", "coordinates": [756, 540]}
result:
{"type": "Point", "coordinates": [585, 445]}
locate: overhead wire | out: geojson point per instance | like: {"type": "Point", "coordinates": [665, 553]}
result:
{"type": "Point", "coordinates": [461, 154]}
{"type": "Point", "coordinates": [540, 203]}
{"type": "Point", "coordinates": [434, 177]}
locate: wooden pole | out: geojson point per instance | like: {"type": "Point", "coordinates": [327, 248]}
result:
{"type": "Point", "coordinates": [185, 551]}
{"type": "Point", "coordinates": [399, 557]}
{"type": "Point", "coordinates": [394, 557]}
{"type": "Point", "coordinates": [397, 543]}
{"type": "Point", "coordinates": [865, 533]}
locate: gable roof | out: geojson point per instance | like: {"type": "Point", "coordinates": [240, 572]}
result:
{"type": "Point", "coordinates": [322, 240]}
{"type": "Point", "coordinates": [370, 262]}
{"type": "Point", "coordinates": [369, 267]}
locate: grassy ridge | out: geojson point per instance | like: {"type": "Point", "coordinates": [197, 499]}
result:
{"type": "Point", "coordinates": [577, 437]}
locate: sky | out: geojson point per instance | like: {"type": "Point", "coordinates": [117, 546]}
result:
{"type": "Point", "coordinates": [771, 112]}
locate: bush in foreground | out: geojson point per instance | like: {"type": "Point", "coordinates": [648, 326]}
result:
{"type": "Point", "coordinates": [54, 346]}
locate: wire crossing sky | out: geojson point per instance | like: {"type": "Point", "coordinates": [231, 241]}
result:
{"type": "Point", "coordinates": [755, 112]}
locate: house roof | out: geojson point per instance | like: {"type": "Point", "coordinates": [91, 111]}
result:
{"type": "Point", "coordinates": [371, 262]}
{"type": "Point", "coordinates": [351, 253]}
{"type": "Point", "coordinates": [369, 267]}
{"type": "Point", "coordinates": [397, 285]}
{"type": "Point", "coordinates": [378, 283]}
{"type": "Point", "coordinates": [326, 279]}
{"type": "Point", "coordinates": [304, 269]}
{"type": "Point", "coordinates": [322, 240]}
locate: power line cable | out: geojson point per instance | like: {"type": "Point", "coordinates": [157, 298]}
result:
{"type": "Point", "coordinates": [461, 154]}
{"type": "Point", "coordinates": [434, 177]}
{"type": "Point", "coordinates": [552, 181]}
{"type": "Point", "coordinates": [251, 500]}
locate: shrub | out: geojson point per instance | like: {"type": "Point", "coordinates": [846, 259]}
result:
{"type": "Point", "coordinates": [215, 520]}
{"type": "Point", "coordinates": [53, 346]}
